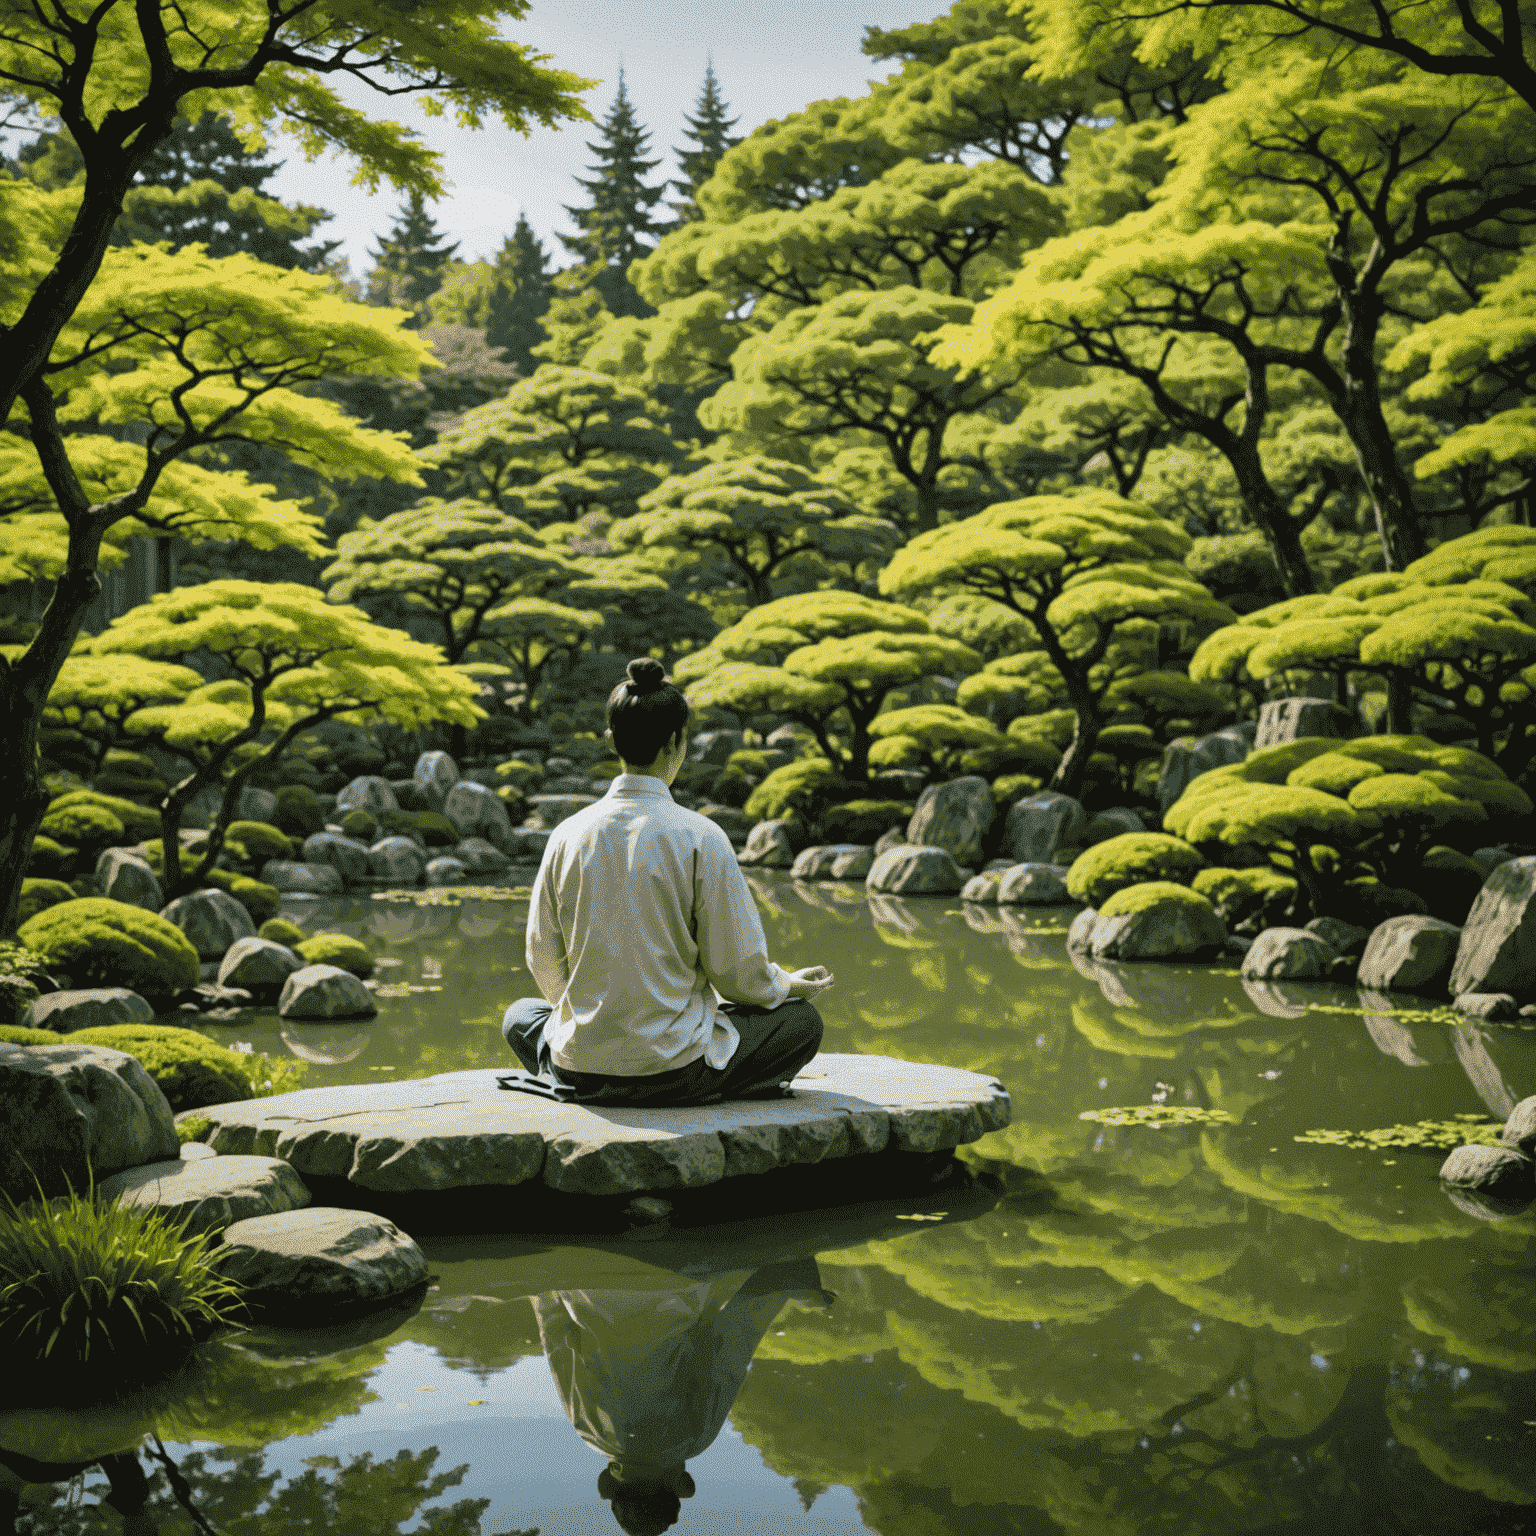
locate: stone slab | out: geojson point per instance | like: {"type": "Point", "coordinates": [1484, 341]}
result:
{"type": "Point", "coordinates": [210, 1193]}
{"type": "Point", "coordinates": [459, 1130]}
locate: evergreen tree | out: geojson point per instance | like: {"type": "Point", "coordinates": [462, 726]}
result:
{"type": "Point", "coordinates": [410, 262]}
{"type": "Point", "coordinates": [520, 298]}
{"type": "Point", "coordinates": [710, 130]}
{"type": "Point", "coordinates": [618, 225]}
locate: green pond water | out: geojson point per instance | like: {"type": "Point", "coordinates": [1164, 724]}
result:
{"type": "Point", "coordinates": [1119, 1329]}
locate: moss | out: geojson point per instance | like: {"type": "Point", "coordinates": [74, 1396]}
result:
{"type": "Point", "coordinates": [732, 787]}
{"type": "Point", "coordinates": [254, 842]}
{"type": "Point", "coordinates": [1131, 859]}
{"type": "Point", "coordinates": [298, 811]}
{"type": "Point", "coordinates": [193, 1128]}
{"type": "Point", "coordinates": [191, 1069]}
{"type": "Point", "coordinates": [749, 760]}
{"type": "Point", "coordinates": [256, 896]}
{"type": "Point", "coordinates": [139, 765]}
{"type": "Point", "coordinates": [1274, 765]}
{"type": "Point", "coordinates": [1239, 895]}
{"type": "Point", "coordinates": [139, 821]}
{"type": "Point", "coordinates": [1155, 893]}
{"type": "Point", "coordinates": [863, 821]}
{"type": "Point", "coordinates": [18, 1034]}
{"type": "Point", "coordinates": [280, 931]}
{"type": "Point", "coordinates": [50, 860]}
{"type": "Point", "coordinates": [337, 949]}
{"type": "Point", "coordinates": [82, 826]}
{"type": "Point", "coordinates": [1334, 772]}
{"type": "Point", "coordinates": [807, 785]}
{"type": "Point", "coordinates": [1015, 786]}
{"type": "Point", "coordinates": [38, 895]}
{"type": "Point", "coordinates": [520, 774]}
{"type": "Point", "coordinates": [362, 825]}
{"type": "Point", "coordinates": [432, 827]}
{"type": "Point", "coordinates": [99, 942]}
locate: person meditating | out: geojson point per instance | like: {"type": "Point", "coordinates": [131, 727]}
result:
{"type": "Point", "coordinates": [647, 946]}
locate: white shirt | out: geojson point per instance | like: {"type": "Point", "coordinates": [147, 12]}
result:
{"type": "Point", "coordinates": [640, 923]}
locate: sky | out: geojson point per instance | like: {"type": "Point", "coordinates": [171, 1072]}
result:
{"type": "Point", "coordinates": [771, 56]}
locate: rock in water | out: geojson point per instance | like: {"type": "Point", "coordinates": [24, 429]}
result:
{"type": "Point", "coordinates": [476, 812]}
{"type": "Point", "coordinates": [1040, 824]}
{"type": "Point", "coordinates": [981, 889]}
{"type": "Point", "coordinates": [1080, 932]}
{"type": "Point", "coordinates": [436, 773]}
{"type": "Point", "coordinates": [209, 1192]}
{"type": "Point", "coordinates": [368, 792]}
{"type": "Point", "coordinates": [955, 817]}
{"type": "Point", "coordinates": [1497, 950]}
{"type": "Point", "coordinates": [70, 1111]}
{"type": "Point", "coordinates": [1520, 1129]}
{"type": "Point", "coordinates": [312, 1263]}
{"type": "Point", "coordinates": [325, 992]}
{"type": "Point", "coordinates": [397, 859]}
{"type": "Point", "coordinates": [445, 871]}
{"type": "Point", "coordinates": [91, 1008]}
{"type": "Point", "coordinates": [212, 920]}
{"type": "Point", "coordinates": [1033, 885]}
{"type": "Point", "coordinates": [480, 857]}
{"type": "Point", "coordinates": [817, 863]}
{"type": "Point", "coordinates": [1173, 927]}
{"type": "Point", "coordinates": [1346, 938]}
{"type": "Point", "coordinates": [1289, 719]}
{"type": "Point", "coordinates": [1500, 1180]}
{"type": "Point", "coordinates": [124, 876]}
{"type": "Point", "coordinates": [347, 856]}
{"type": "Point", "coordinates": [259, 965]}
{"type": "Point", "coordinates": [302, 879]}
{"type": "Point", "coordinates": [1288, 954]}
{"type": "Point", "coordinates": [915, 870]}
{"type": "Point", "coordinates": [769, 846]}
{"type": "Point", "coordinates": [1409, 954]}
{"type": "Point", "coordinates": [853, 863]}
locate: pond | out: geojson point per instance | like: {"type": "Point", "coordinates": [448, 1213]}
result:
{"type": "Point", "coordinates": [1148, 1327]}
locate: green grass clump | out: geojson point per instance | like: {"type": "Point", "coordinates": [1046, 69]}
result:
{"type": "Point", "coordinates": [191, 1069]}
{"type": "Point", "coordinates": [1155, 893]}
{"type": "Point", "coordinates": [193, 1128]}
{"type": "Point", "coordinates": [19, 1034]}
{"type": "Point", "coordinates": [98, 942]}
{"type": "Point", "coordinates": [91, 1290]}
{"type": "Point", "coordinates": [280, 931]}
{"type": "Point", "coordinates": [337, 949]}
{"type": "Point", "coordinates": [1131, 859]}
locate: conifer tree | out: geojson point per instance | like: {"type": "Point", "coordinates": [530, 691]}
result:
{"type": "Point", "coordinates": [618, 225]}
{"type": "Point", "coordinates": [710, 131]}
{"type": "Point", "coordinates": [410, 261]}
{"type": "Point", "coordinates": [520, 298]}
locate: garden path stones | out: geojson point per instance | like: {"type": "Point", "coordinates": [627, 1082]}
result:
{"type": "Point", "coordinates": [1409, 954]}
{"type": "Point", "coordinates": [124, 876]}
{"type": "Point", "coordinates": [1497, 951]}
{"type": "Point", "coordinates": [212, 920]}
{"type": "Point", "coordinates": [67, 1110]}
{"type": "Point", "coordinates": [955, 816]}
{"type": "Point", "coordinates": [319, 1260]}
{"type": "Point", "coordinates": [259, 965]}
{"type": "Point", "coordinates": [913, 869]}
{"type": "Point", "coordinates": [89, 1008]}
{"type": "Point", "coordinates": [346, 855]}
{"type": "Point", "coordinates": [368, 792]}
{"type": "Point", "coordinates": [457, 1129]}
{"type": "Point", "coordinates": [296, 879]}
{"type": "Point", "coordinates": [209, 1193]}
{"type": "Point", "coordinates": [325, 992]}
{"type": "Point", "coordinates": [1288, 954]}
{"type": "Point", "coordinates": [436, 773]}
{"type": "Point", "coordinates": [1040, 824]}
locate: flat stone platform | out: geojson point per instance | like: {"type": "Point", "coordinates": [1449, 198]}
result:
{"type": "Point", "coordinates": [459, 1130]}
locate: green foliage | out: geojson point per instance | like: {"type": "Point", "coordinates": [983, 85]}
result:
{"type": "Point", "coordinates": [1129, 860]}
{"type": "Point", "coordinates": [1154, 893]}
{"type": "Point", "coordinates": [138, 822]}
{"type": "Point", "coordinates": [91, 1291]}
{"type": "Point", "coordinates": [298, 812]}
{"type": "Point", "coordinates": [190, 1069]}
{"type": "Point", "coordinates": [192, 1128]}
{"type": "Point", "coordinates": [97, 942]}
{"type": "Point", "coordinates": [804, 787]}
{"type": "Point", "coordinates": [434, 829]}
{"type": "Point", "coordinates": [254, 842]}
{"type": "Point", "coordinates": [280, 931]}
{"type": "Point", "coordinates": [1240, 896]}
{"type": "Point", "coordinates": [361, 824]}
{"type": "Point", "coordinates": [82, 826]}
{"type": "Point", "coordinates": [337, 949]}
{"type": "Point", "coordinates": [50, 859]}
{"type": "Point", "coordinates": [410, 261]}
{"type": "Point", "coordinates": [18, 1034]}
{"type": "Point", "coordinates": [38, 895]}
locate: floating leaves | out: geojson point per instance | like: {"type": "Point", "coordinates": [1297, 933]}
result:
{"type": "Point", "coordinates": [1156, 1116]}
{"type": "Point", "coordinates": [1441, 1015]}
{"type": "Point", "coordinates": [455, 895]}
{"type": "Point", "coordinates": [1427, 1135]}
{"type": "Point", "coordinates": [401, 989]}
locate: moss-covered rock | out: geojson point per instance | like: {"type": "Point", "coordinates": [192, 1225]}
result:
{"type": "Point", "coordinates": [298, 811]}
{"type": "Point", "coordinates": [520, 775]}
{"type": "Point", "coordinates": [256, 896]}
{"type": "Point", "coordinates": [254, 842]}
{"type": "Point", "coordinates": [19, 1034]}
{"type": "Point", "coordinates": [82, 825]}
{"type": "Point", "coordinates": [51, 860]}
{"type": "Point", "coordinates": [732, 787]}
{"type": "Point", "coordinates": [191, 1069]}
{"type": "Point", "coordinates": [361, 825]}
{"type": "Point", "coordinates": [434, 829]}
{"type": "Point", "coordinates": [339, 949]}
{"type": "Point", "coordinates": [1131, 859]}
{"type": "Point", "coordinates": [806, 786]}
{"type": "Point", "coordinates": [38, 895]}
{"type": "Point", "coordinates": [1247, 896]}
{"type": "Point", "coordinates": [138, 821]}
{"type": "Point", "coordinates": [280, 931]}
{"type": "Point", "coordinates": [98, 942]}
{"type": "Point", "coordinates": [750, 760]}
{"type": "Point", "coordinates": [1157, 920]}
{"type": "Point", "coordinates": [862, 821]}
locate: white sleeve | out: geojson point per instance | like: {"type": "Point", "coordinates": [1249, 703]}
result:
{"type": "Point", "coordinates": [733, 950]}
{"type": "Point", "coordinates": [544, 948]}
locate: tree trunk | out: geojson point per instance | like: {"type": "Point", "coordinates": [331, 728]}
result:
{"type": "Point", "coordinates": [1072, 770]}
{"type": "Point", "coordinates": [1272, 519]}
{"type": "Point", "coordinates": [24, 801]}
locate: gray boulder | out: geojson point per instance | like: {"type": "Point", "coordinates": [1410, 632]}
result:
{"type": "Point", "coordinates": [1080, 933]}
{"type": "Point", "coordinates": [397, 859]}
{"type": "Point", "coordinates": [477, 812]}
{"type": "Point", "coordinates": [1123, 819]}
{"type": "Point", "coordinates": [1410, 954]}
{"type": "Point", "coordinates": [445, 870]}
{"type": "Point", "coordinates": [1500, 1063]}
{"type": "Point", "coordinates": [892, 837]}
{"type": "Point", "coordinates": [124, 876]}
{"type": "Point", "coordinates": [1040, 824]}
{"type": "Point", "coordinates": [769, 846]}
{"type": "Point", "coordinates": [209, 1193]}
{"type": "Point", "coordinates": [309, 1264]}
{"type": "Point", "coordinates": [435, 774]}
{"type": "Point", "coordinates": [1165, 930]}
{"type": "Point", "coordinates": [816, 863]}
{"type": "Point", "coordinates": [1290, 719]}
{"type": "Point", "coordinates": [1186, 758]}
{"type": "Point", "coordinates": [1033, 885]}
{"type": "Point", "coordinates": [295, 879]}
{"type": "Point", "coordinates": [853, 863]}
{"type": "Point", "coordinates": [259, 965]}
{"type": "Point", "coordinates": [1288, 954]}
{"type": "Point", "coordinates": [1520, 1129]}
{"type": "Point", "coordinates": [955, 817]}
{"type": "Point", "coordinates": [346, 855]}
{"type": "Point", "coordinates": [256, 804]}
{"type": "Point", "coordinates": [68, 1112]}
{"type": "Point", "coordinates": [480, 857]}
{"type": "Point", "coordinates": [715, 746]}
{"type": "Point", "coordinates": [530, 843]}
{"type": "Point", "coordinates": [1497, 1007]}
{"type": "Point", "coordinates": [1500, 1179]}
{"type": "Point", "coordinates": [325, 992]}
{"type": "Point", "coordinates": [1497, 949]}
{"type": "Point", "coordinates": [982, 888]}
{"type": "Point", "coordinates": [92, 1008]}
{"type": "Point", "coordinates": [914, 869]}
{"type": "Point", "coordinates": [212, 920]}
{"type": "Point", "coordinates": [1344, 937]}
{"type": "Point", "coordinates": [367, 792]}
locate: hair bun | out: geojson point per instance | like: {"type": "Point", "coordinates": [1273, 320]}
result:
{"type": "Point", "coordinates": [646, 675]}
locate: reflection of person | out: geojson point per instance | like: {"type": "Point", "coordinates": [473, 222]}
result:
{"type": "Point", "coordinates": [645, 940]}
{"type": "Point", "coordinates": [648, 1377]}
{"type": "Point", "coordinates": [130, 1487]}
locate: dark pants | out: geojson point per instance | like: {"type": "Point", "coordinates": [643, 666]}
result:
{"type": "Point", "coordinates": [775, 1044]}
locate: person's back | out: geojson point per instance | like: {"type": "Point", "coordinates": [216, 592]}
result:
{"type": "Point", "coordinates": [639, 926]}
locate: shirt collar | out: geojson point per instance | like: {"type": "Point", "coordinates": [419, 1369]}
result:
{"type": "Point", "coordinates": [637, 786]}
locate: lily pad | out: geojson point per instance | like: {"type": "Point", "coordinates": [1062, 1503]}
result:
{"type": "Point", "coordinates": [1158, 1116]}
{"type": "Point", "coordinates": [1429, 1135]}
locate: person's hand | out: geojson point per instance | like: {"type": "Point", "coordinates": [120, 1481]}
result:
{"type": "Point", "coordinates": [811, 982]}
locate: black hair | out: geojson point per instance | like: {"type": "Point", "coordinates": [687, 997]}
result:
{"type": "Point", "coordinates": [645, 712]}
